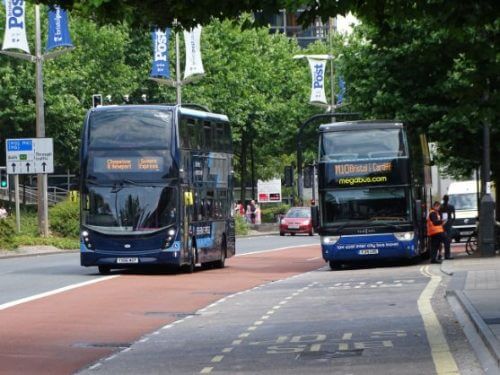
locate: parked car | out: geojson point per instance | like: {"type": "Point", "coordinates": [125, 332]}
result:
{"type": "Point", "coordinates": [297, 220]}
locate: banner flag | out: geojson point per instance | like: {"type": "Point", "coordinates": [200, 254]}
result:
{"type": "Point", "coordinates": [318, 80]}
{"type": "Point", "coordinates": [193, 52]}
{"type": "Point", "coordinates": [341, 94]}
{"type": "Point", "coordinates": [58, 29]}
{"type": "Point", "coordinates": [161, 65]}
{"type": "Point", "coordinates": [15, 26]}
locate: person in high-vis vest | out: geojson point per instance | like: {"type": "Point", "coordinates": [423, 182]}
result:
{"type": "Point", "coordinates": [435, 231]}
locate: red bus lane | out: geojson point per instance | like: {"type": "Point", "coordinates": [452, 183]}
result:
{"type": "Point", "coordinates": [65, 332]}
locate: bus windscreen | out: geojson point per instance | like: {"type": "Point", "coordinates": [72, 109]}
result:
{"type": "Point", "coordinates": [146, 127]}
{"type": "Point", "coordinates": [363, 144]}
{"type": "Point", "coordinates": [129, 208]}
{"type": "Point", "coordinates": [379, 204]}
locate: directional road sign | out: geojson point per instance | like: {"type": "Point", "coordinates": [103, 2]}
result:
{"type": "Point", "coordinates": [29, 155]}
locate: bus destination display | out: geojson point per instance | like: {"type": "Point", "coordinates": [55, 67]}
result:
{"type": "Point", "coordinates": [128, 164]}
{"type": "Point", "coordinates": [351, 174]}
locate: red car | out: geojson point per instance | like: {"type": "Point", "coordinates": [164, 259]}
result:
{"type": "Point", "coordinates": [297, 220]}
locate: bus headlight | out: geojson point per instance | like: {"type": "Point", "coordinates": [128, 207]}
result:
{"type": "Point", "coordinates": [329, 240]}
{"type": "Point", "coordinates": [86, 240]}
{"type": "Point", "coordinates": [404, 236]}
{"type": "Point", "coordinates": [170, 237]}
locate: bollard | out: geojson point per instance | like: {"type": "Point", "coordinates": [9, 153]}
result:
{"type": "Point", "coordinates": [487, 227]}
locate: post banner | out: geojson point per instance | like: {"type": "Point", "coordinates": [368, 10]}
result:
{"type": "Point", "coordinates": [341, 94]}
{"type": "Point", "coordinates": [193, 52]}
{"type": "Point", "coordinates": [58, 29]}
{"type": "Point", "coordinates": [318, 80]}
{"type": "Point", "coordinates": [15, 26]}
{"type": "Point", "coordinates": [161, 64]}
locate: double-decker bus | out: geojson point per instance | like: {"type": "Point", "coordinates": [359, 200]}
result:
{"type": "Point", "coordinates": [156, 187]}
{"type": "Point", "coordinates": [372, 189]}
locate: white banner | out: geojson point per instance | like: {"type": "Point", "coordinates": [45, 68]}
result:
{"type": "Point", "coordinates": [318, 80]}
{"type": "Point", "coordinates": [193, 52]}
{"type": "Point", "coordinates": [269, 191]}
{"type": "Point", "coordinates": [15, 27]}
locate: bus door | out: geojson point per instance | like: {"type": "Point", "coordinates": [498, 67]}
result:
{"type": "Point", "coordinates": [186, 221]}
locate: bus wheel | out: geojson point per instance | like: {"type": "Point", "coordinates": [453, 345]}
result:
{"type": "Point", "coordinates": [335, 265]}
{"type": "Point", "coordinates": [222, 262]}
{"type": "Point", "coordinates": [104, 270]}
{"type": "Point", "coordinates": [189, 268]}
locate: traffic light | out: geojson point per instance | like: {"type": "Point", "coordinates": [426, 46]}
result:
{"type": "Point", "coordinates": [288, 176]}
{"type": "Point", "coordinates": [96, 100]}
{"type": "Point", "coordinates": [4, 178]}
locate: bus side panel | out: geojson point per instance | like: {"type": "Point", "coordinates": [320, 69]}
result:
{"type": "Point", "coordinates": [372, 247]}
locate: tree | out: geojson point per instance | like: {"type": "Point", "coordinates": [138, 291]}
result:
{"type": "Point", "coordinates": [437, 73]}
{"type": "Point", "coordinates": [252, 77]}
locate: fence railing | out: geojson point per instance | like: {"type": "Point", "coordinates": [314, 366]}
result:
{"type": "Point", "coordinates": [29, 195]}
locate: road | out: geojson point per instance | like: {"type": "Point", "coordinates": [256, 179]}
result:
{"type": "Point", "coordinates": [268, 312]}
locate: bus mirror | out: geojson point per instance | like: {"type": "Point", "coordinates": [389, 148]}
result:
{"type": "Point", "coordinates": [188, 198]}
{"type": "Point", "coordinates": [315, 217]}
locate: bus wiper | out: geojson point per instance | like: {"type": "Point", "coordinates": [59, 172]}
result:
{"type": "Point", "coordinates": [339, 228]}
{"type": "Point", "coordinates": [129, 181]}
{"type": "Point", "coordinates": [382, 224]}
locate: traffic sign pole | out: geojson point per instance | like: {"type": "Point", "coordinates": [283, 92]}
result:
{"type": "Point", "coordinates": [43, 208]}
{"type": "Point", "coordinates": [16, 197]}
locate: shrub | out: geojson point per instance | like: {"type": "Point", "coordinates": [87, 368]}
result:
{"type": "Point", "coordinates": [6, 234]}
{"type": "Point", "coordinates": [270, 213]}
{"type": "Point", "coordinates": [241, 225]}
{"type": "Point", "coordinates": [65, 218]}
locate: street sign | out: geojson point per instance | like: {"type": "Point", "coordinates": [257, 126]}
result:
{"type": "Point", "coordinates": [29, 156]}
{"type": "Point", "coordinates": [269, 191]}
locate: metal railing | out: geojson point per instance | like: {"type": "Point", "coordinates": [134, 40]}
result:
{"type": "Point", "coordinates": [28, 195]}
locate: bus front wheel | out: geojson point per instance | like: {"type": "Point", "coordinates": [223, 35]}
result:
{"type": "Point", "coordinates": [222, 262]}
{"type": "Point", "coordinates": [104, 270]}
{"type": "Point", "coordinates": [335, 265]}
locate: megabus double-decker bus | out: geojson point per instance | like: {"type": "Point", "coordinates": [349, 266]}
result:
{"type": "Point", "coordinates": [372, 190]}
{"type": "Point", "coordinates": [156, 187]}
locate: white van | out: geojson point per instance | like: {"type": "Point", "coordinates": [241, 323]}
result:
{"type": "Point", "coordinates": [463, 196]}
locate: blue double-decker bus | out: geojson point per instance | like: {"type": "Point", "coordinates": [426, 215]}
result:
{"type": "Point", "coordinates": [373, 188]}
{"type": "Point", "coordinates": [156, 187]}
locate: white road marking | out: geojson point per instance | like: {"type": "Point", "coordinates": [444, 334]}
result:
{"type": "Point", "coordinates": [441, 355]}
{"type": "Point", "coordinates": [55, 291]}
{"type": "Point", "coordinates": [271, 250]}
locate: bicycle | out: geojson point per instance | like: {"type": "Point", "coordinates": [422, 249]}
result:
{"type": "Point", "coordinates": [471, 244]}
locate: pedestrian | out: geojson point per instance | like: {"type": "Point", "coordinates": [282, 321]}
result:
{"type": "Point", "coordinates": [253, 209]}
{"type": "Point", "coordinates": [3, 212]}
{"type": "Point", "coordinates": [447, 212]}
{"type": "Point", "coordinates": [258, 219]}
{"type": "Point", "coordinates": [435, 231]}
{"type": "Point", "coordinates": [248, 213]}
{"type": "Point", "coordinates": [241, 209]}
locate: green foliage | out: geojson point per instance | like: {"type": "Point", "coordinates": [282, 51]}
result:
{"type": "Point", "coordinates": [241, 226]}
{"type": "Point", "coordinates": [64, 218]}
{"type": "Point", "coordinates": [269, 213]}
{"type": "Point", "coordinates": [434, 70]}
{"type": "Point", "coordinates": [6, 234]}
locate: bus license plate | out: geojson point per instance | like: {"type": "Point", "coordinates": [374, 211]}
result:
{"type": "Point", "coordinates": [127, 260]}
{"type": "Point", "coordinates": [368, 252]}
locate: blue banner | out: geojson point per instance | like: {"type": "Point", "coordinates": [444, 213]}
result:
{"type": "Point", "coordinates": [341, 94]}
{"type": "Point", "coordinates": [58, 29]}
{"type": "Point", "coordinates": [161, 66]}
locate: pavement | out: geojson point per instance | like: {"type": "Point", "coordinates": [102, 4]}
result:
{"type": "Point", "coordinates": [475, 283]}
